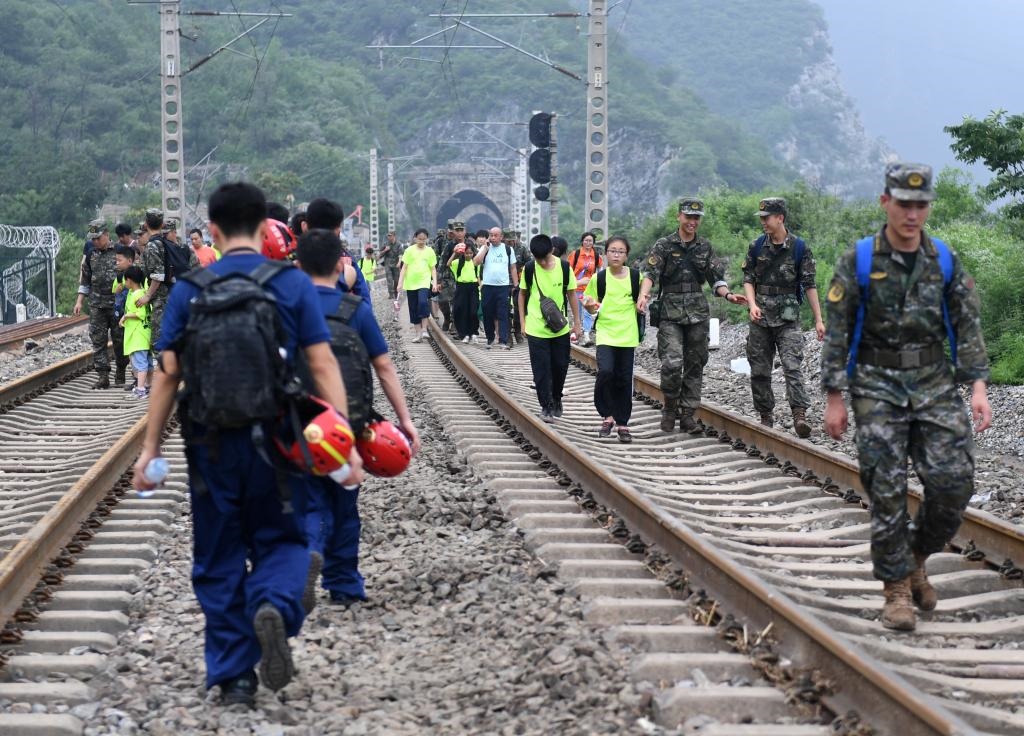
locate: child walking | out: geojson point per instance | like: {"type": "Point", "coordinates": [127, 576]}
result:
{"type": "Point", "coordinates": [136, 329]}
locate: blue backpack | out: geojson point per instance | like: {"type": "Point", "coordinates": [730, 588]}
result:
{"type": "Point", "coordinates": [865, 250]}
{"type": "Point", "coordinates": [798, 259]}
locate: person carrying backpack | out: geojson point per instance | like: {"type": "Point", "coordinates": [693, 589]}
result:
{"type": "Point", "coordinates": [332, 522]}
{"type": "Point", "coordinates": [163, 261]}
{"type": "Point", "coordinates": [778, 270]}
{"type": "Point", "coordinates": [896, 299]}
{"type": "Point", "coordinates": [546, 285]}
{"type": "Point", "coordinates": [498, 273]}
{"type": "Point", "coordinates": [612, 297]}
{"type": "Point", "coordinates": [585, 262]}
{"type": "Point", "coordinates": [232, 331]}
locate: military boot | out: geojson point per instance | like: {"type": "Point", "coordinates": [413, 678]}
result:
{"type": "Point", "coordinates": [119, 375]}
{"type": "Point", "coordinates": [768, 420]}
{"type": "Point", "coordinates": [103, 380]}
{"type": "Point", "coordinates": [898, 611]}
{"type": "Point", "coordinates": [687, 423]}
{"type": "Point", "coordinates": [668, 416]}
{"type": "Point", "coordinates": [924, 594]}
{"type": "Point", "coordinates": [800, 425]}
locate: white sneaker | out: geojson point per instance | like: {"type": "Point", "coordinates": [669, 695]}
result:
{"type": "Point", "coordinates": [472, 339]}
{"type": "Point", "coordinates": [465, 340]}
{"type": "Point", "coordinates": [424, 335]}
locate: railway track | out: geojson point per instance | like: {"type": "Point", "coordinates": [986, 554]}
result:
{"type": "Point", "coordinates": [72, 537]}
{"type": "Point", "coordinates": [775, 532]}
{"type": "Point", "coordinates": [13, 337]}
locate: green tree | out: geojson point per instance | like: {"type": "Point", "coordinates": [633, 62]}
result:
{"type": "Point", "coordinates": [998, 142]}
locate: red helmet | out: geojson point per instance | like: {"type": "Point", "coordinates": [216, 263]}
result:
{"type": "Point", "coordinates": [278, 241]}
{"type": "Point", "coordinates": [327, 434]}
{"type": "Point", "coordinates": [384, 448]}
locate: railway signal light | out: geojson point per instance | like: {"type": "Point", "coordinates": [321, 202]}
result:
{"type": "Point", "coordinates": [540, 165]}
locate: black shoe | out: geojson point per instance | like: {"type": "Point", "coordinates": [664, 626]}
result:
{"type": "Point", "coordinates": [316, 564]}
{"type": "Point", "coordinates": [239, 690]}
{"type": "Point", "coordinates": [119, 376]}
{"type": "Point", "coordinates": [102, 382]}
{"type": "Point", "coordinates": [688, 424]}
{"type": "Point", "coordinates": [606, 428]}
{"type": "Point", "coordinates": [276, 668]}
{"type": "Point", "coordinates": [557, 411]}
{"type": "Point", "coordinates": [344, 600]}
{"type": "Point", "coordinates": [625, 436]}
{"type": "Point", "coordinates": [547, 417]}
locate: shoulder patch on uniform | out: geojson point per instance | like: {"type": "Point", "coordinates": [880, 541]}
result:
{"type": "Point", "coordinates": [652, 261]}
{"type": "Point", "coordinates": [836, 293]}
{"type": "Point", "coordinates": [878, 275]}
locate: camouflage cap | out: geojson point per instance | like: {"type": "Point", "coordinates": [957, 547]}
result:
{"type": "Point", "coordinates": [909, 181]}
{"type": "Point", "coordinates": [771, 206]}
{"type": "Point", "coordinates": [450, 223]}
{"type": "Point", "coordinates": [155, 211]}
{"type": "Point", "coordinates": [691, 206]}
{"type": "Point", "coordinates": [97, 227]}
{"type": "Point", "coordinates": [171, 226]}
{"type": "Point", "coordinates": [506, 234]}
{"type": "Point", "coordinates": [457, 225]}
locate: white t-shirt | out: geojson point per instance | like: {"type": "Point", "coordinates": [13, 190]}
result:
{"type": "Point", "coordinates": [495, 266]}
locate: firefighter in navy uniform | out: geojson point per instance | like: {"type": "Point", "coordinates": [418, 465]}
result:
{"type": "Point", "coordinates": [903, 387]}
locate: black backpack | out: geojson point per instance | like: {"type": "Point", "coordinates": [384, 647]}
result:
{"type": "Point", "coordinates": [232, 349]}
{"type": "Point", "coordinates": [176, 260]}
{"type": "Point", "coordinates": [634, 286]}
{"type": "Point", "coordinates": [356, 369]}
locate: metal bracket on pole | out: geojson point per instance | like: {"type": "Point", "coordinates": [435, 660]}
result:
{"type": "Point", "coordinates": [172, 155]}
{"type": "Point", "coordinates": [595, 204]}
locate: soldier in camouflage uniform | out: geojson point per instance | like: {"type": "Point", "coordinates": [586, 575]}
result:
{"type": "Point", "coordinates": [514, 239]}
{"type": "Point", "coordinates": [445, 277]}
{"type": "Point", "coordinates": [99, 270]}
{"type": "Point", "coordinates": [903, 389]}
{"type": "Point", "coordinates": [154, 266]}
{"type": "Point", "coordinates": [676, 270]}
{"type": "Point", "coordinates": [774, 283]}
{"type": "Point", "coordinates": [390, 255]}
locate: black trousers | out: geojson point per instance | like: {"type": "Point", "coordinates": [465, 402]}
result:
{"type": "Point", "coordinates": [464, 308]}
{"type": "Point", "coordinates": [613, 389]}
{"type": "Point", "coordinates": [549, 359]}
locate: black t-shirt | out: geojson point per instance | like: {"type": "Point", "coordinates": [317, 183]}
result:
{"type": "Point", "coordinates": [909, 259]}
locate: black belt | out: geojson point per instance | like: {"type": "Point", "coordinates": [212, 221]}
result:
{"type": "Point", "coordinates": [776, 290]}
{"type": "Point", "coordinates": [684, 287]}
{"type": "Point", "coordinates": [902, 359]}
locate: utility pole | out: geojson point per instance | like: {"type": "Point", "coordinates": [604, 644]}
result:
{"type": "Point", "coordinates": [553, 186]}
{"type": "Point", "coordinates": [172, 155]}
{"type": "Point", "coordinates": [595, 203]}
{"type": "Point", "coordinates": [391, 196]}
{"type": "Point", "coordinates": [374, 231]}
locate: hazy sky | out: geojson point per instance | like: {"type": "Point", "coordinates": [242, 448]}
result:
{"type": "Point", "coordinates": [914, 66]}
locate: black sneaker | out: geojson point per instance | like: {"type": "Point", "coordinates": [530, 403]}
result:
{"type": "Point", "coordinates": [316, 564]}
{"type": "Point", "coordinates": [557, 411]}
{"type": "Point", "coordinates": [606, 428]}
{"type": "Point", "coordinates": [547, 417]}
{"type": "Point", "coordinates": [344, 600]}
{"type": "Point", "coordinates": [276, 668]}
{"type": "Point", "coordinates": [240, 690]}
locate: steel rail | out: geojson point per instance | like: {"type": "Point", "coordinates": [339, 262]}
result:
{"type": "Point", "coordinates": [21, 568]}
{"type": "Point", "coordinates": [21, 388]}
{"type": "Point", "coordinates": [880, 697]}
{"type": "Point", "coordinates": [13, 335]}
{"type": "Point", "coordinates": [997, 539]}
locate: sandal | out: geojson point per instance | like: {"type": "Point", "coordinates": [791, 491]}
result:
{"type": "Point", "coordinates": [625, 436]}
{"type": "Point", "coordinates": [606, 428]}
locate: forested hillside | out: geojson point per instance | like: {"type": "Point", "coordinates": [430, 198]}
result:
{"type": "Point", "coordinates": [80, 120]}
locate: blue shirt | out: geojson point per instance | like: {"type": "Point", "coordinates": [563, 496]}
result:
{"type": "Point", "coordinates": [363, 321]}
{"type": "Point", "coordinates": [361, 288]}
{"type": "Point", "coordinates": [297, 303]}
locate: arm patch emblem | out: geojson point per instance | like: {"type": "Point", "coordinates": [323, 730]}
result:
{"type": "Point", "coordinates": [836, 293]}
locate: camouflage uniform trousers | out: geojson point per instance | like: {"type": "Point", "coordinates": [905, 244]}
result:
{"type": "Point", "coordinates": [103, 326]}
{"type": "Point", "coordinates": [762, 343]}
{"type": "Point", "coordinates": [683, 350]}
{"type": "Point", "coordinates": [936, 434]}
{"type": "Point", "coordinates": [392, 272]}
{"type": "Point", "coordinates": [156, 318]}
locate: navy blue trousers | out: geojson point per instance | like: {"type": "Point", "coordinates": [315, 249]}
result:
{"type": "Point", "coordinates": [239, 520]}
{"type": "Point", "coordinates": [495, 307]}
{"type": "Point", "coordinates": [332, 527]}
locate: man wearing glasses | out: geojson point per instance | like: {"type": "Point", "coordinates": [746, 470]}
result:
{"type": "Point", "coordinates": [676, 270]}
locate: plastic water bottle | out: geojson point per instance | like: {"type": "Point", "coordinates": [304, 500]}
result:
{"type": "Point", "coordinates": [156, 471]}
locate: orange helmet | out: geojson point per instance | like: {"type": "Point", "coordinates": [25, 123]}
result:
{"type": "Point", "coordinates": [384, 448]}
{"type": "Point", "coordinates": [326, 441]}
{"type": "Point", "coordinates": [278, 241]}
